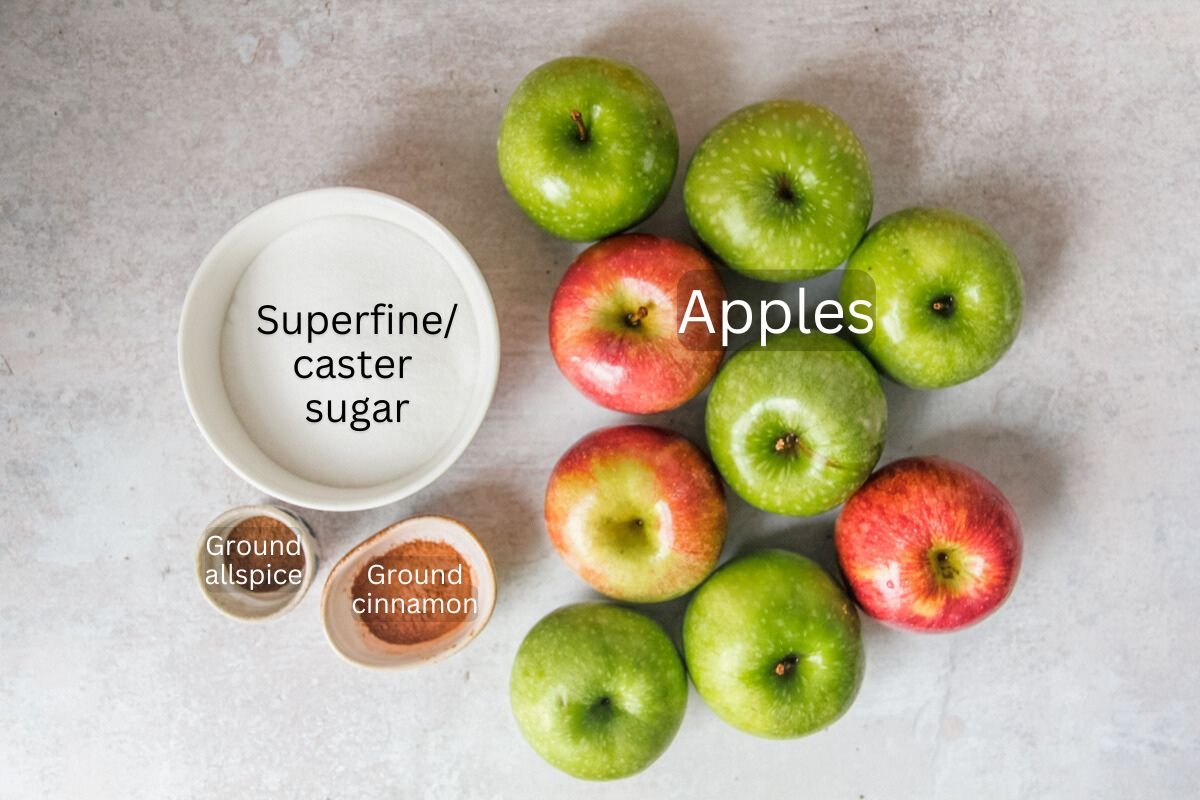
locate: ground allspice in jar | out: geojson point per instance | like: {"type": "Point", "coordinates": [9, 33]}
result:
{"type": "Point", "coordinates": [415, 592]}
{"type": "Point", "coordinates": [268, 542]}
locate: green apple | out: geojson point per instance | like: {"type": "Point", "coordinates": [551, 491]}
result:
{"type": "Point", "coordinates": [780, 190]}
{"type": "Point", "coordinates": [796, 425]}
{"type": "Point", "coordinates": [598, 690]}
{"type": "Point", "coordinates": [773, 645]}
{"type": "Point", "coordinates": [587, 147]}
{"type": "Point", "coordinates": [948, 295]}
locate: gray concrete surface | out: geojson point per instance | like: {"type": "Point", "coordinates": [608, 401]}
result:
{"type": "Point", "coordinates": [133, 134]}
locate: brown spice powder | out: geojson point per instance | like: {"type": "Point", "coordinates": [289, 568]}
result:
{"type": "Point", "coordinates": [268, 538]}
{"type": "Point", "coordinates": [418, 558]}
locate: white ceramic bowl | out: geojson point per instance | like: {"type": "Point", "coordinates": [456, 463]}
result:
{"type": "Point", "coordinates": [243, 604]}
{"type": "Point", "coordinates": [203, 318]}
{"type": "Point", "coordinates": [350, 636]}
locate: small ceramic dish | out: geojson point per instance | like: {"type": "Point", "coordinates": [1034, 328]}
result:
{"type": "Point", "coordinates": [237, 601]}
{"type": "Point", "coordinates": [351, 637]}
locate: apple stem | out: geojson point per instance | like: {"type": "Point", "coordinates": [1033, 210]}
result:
{"type": "Point", "coordinates": [786, 443]}
{"type": "Point", "coordinates": [634, 318]}
{"type": "Point", "coordinates": [943, 306]}
{"type": "Point", "coordinates": [785, 665]}
{"type": "Point", "coordinates": [579, 126]}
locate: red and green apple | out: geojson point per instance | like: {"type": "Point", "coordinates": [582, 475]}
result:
{"type": "Point", "coordinates": [928, 544]}
{"type": "Point", "coordinates": [614, 323]}
{"type": "Point", "coordinates": [638, 512]}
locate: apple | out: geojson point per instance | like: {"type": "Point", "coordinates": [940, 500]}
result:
{"type": "Point", "coordinates": [947, 291]}
{"type": "Point", "coordinates": [598, 690]}
{"type": "Point", "coordinates": [614, 324]}
{"type": "Point", "coordinates": [773, 645]}
{"type": "Point", "coordinates": [928, 544]}
{"type": "Point", "coordinates": [780, 190]}
{"type": "Point", "coordinates": [587, 147]}
{"type": "Point", "coordinates": [638, 512]}
{"type": "Point", "coordinates": [796, 425]}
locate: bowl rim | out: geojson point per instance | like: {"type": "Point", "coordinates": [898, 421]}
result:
{"type": "Point", "coordinates": [440, 654]}
{"type": "Point", "coordinates": [308, 545]}
{"type": "Point", "coordinates": [336, 498]}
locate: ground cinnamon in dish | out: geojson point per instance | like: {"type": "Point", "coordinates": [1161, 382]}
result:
{"type": "Point", "coordinates": [421, 598]}
{"type": "Point", "coordinates": [269, 539]}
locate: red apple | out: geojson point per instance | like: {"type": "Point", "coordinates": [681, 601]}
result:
{"type": "Point", "coordinates": [615, 317]}
{"type": "Point", "coordinates": [638, 512]}
{"type": "Point", "coordinates": [928, 544]}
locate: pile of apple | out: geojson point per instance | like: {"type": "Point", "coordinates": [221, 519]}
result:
{"type": "Point", "coordinates": [780, 191]}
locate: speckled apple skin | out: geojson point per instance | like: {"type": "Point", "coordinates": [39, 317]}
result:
{"type": "Point", "coordinates": [618, 177]}
{"type": "Point", "coordinates": [730, 190]}
{"type": "Point", "coordinates": [911, 258]}
{"type": "Point", "coordinates": [649, 367]}
{"type": "Point", "coordinates": [615, 477]}
{"type": "Point", "coordinates": [906, 510]}
{"type": "Point", "coordinates": [757, 610]}
{"type": "Point", "coordinates": [583, 655]}
{"type": "Point", "coordinates": [815, 386]}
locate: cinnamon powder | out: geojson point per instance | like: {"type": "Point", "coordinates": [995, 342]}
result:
{"type": "Point", "coordinates": [269, 539]}
{"type": "Point", "coordinates": [410, 593]}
